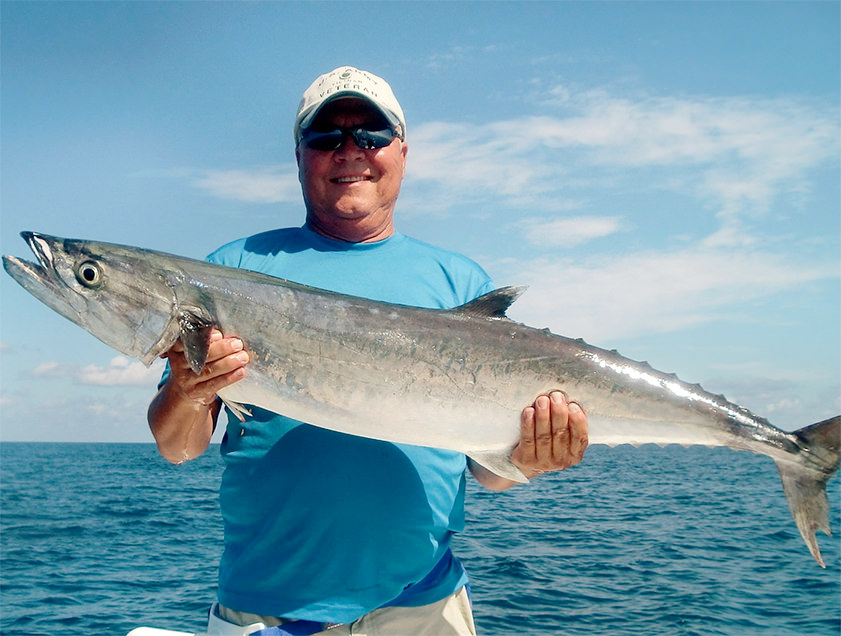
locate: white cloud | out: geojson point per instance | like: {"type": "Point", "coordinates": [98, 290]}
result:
{"type": "Point", "coordinates": [568, 232]}
{"type": "Point", "coordinates": [734, 156]}
{"type": "Point", "coordinates": [52, 369]}
{"type": "Point", "coordinates": [484, 161]}
{"type": "Point", "coordinates": [120, 372]}
{"type": "Point", "coordinates": [607, 298]}
{"type": "Point", "coordinates": [273, 184]}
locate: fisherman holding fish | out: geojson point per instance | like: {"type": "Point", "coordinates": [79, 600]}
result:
{"type": "Point", "coordinates": [407, 374]}
{"type": "Point", "coordinates": [324, 530]}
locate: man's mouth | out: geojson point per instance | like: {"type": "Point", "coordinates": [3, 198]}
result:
{"type": "Point", "coordinates": [352, 179]}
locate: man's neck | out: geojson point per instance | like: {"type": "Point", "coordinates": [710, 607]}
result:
{"type": "Point", "coordinates": [350, 233]}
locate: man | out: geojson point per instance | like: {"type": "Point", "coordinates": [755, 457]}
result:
{"type": "Point", "coordinates": [324, 528]}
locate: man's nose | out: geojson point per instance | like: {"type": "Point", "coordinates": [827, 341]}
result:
{"type": "Point", "coordinates": [348, 148]}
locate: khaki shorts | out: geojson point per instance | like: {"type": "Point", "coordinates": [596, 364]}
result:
{"type": "Point", "coordinates": [451, 616]}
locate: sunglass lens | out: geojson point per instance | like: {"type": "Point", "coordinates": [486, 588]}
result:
{"type": "Point", "coordinates": [370, 139]}
{"type": "Point", "coordinates": [324, 140]}
{"type": "Point", "coordinates": [362, 137]}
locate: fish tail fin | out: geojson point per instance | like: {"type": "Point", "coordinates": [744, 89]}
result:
{"type": "Point", "coordinates": [805, 483]}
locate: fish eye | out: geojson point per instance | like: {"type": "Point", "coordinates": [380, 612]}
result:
{"type": "Point", "coordinates": [89, 274]}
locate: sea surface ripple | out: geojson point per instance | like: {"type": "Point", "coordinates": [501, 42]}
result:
{"type": "Point", "coordinates": [96, 539]}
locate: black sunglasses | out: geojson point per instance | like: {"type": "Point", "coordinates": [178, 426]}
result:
{"type": "Point", "coordinates": [334, 139]}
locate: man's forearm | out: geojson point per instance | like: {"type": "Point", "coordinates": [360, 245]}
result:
{"type": "Point", "coordinates": [182, 427]}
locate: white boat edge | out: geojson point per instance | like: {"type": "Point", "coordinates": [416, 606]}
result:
{"type": "Point", "coordinates": [153, 631]}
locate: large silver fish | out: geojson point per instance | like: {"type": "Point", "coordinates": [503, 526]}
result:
{"type": "Point", "coordinates": [454, 379]}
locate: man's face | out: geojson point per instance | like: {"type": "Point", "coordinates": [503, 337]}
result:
{"type": "Point", "coordinates": [350, 192]}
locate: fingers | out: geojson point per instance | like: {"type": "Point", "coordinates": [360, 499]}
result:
{"type": "Point", "coordinates": [526, 450]}
{"type": "Point", "coordinates": [579, 438]}
{"type": "Point", "coordinates": [553, 435]}
{"type": "Point", "coordinates": [560, 433]}
{"type": "Point", "coordinates": [226, 361]}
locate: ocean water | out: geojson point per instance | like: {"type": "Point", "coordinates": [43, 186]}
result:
{"type": "Point", "coordinates": [99, 538]}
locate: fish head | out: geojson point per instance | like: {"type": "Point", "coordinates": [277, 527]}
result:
{"type": "Point", "coordinates": [114, 292]}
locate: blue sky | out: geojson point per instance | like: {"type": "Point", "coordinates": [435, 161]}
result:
{"type": "Point", "coordinates": [664, 176]}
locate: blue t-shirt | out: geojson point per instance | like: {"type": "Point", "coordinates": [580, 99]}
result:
{"type": "Point", "coordinates": [325, 526]}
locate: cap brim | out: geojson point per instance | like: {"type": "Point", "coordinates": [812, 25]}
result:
{"type": "Point", "coordinates": [305, 121]}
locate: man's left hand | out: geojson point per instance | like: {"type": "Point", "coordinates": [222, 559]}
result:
{"type": "Point", "coordinates": [553, 435]}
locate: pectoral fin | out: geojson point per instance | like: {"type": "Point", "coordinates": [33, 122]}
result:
{"type": "Point", "coordinates": [499, 463]}
{"type": "Point", "coordinates": [195, 335]}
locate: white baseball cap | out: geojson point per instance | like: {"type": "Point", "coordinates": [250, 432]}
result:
{"type": "Point", "coordinates": [347, 81]}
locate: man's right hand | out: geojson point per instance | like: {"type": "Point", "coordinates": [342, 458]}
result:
{"type": "Point", "coordinates": [226, 360]}
{"type": "Point", "coordinates": [182, 416]}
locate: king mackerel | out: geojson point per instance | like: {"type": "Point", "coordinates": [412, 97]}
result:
{"type": "Point", "coordinates": [453, 379]}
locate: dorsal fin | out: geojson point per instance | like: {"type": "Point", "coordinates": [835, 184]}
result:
{"type": "Point", "coordinates": [493, 304]}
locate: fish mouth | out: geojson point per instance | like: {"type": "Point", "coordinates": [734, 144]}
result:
{"type": "Point", "coordinates": [40, 246]}
{"type": "Point", "coordinates": [43, 279]}
{"type": "Point", "coordinates": [57, 279]}
{"type": "Point", "coordinates": [20, 269]}
{"type": "Point", "coordinates": [25, 272]}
